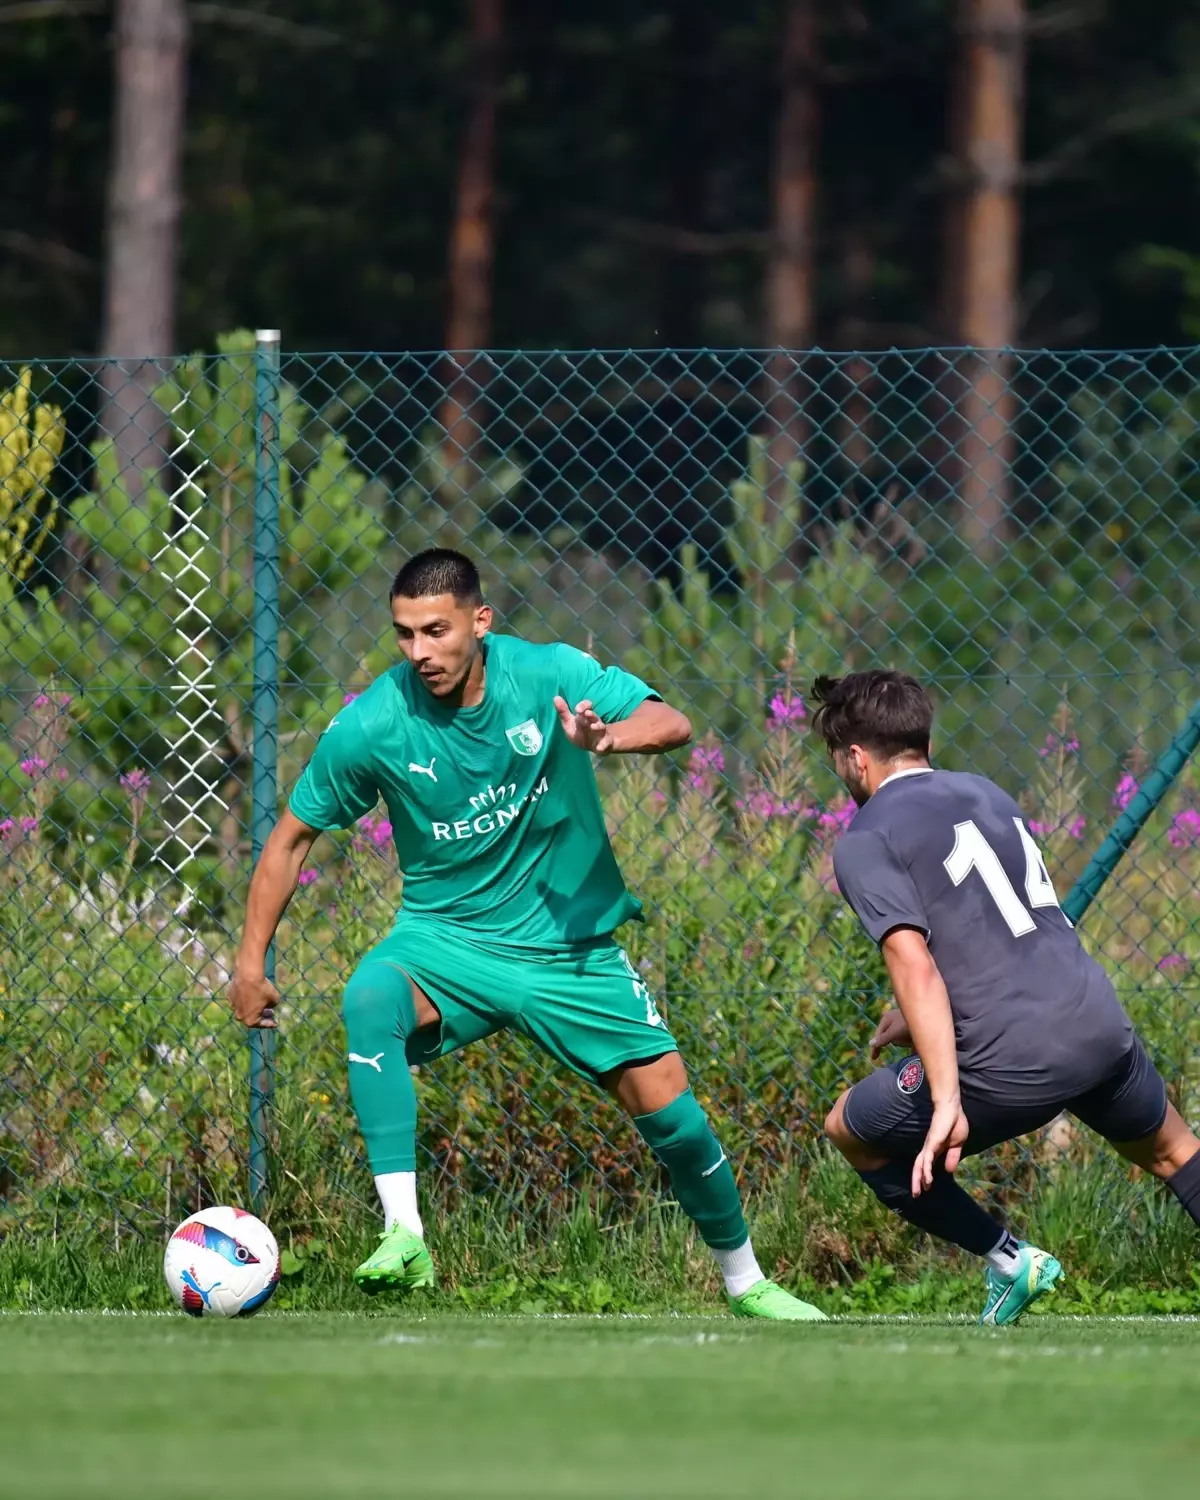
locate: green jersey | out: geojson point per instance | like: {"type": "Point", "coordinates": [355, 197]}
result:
{"type": "Point", "coordinates": [495, 814]}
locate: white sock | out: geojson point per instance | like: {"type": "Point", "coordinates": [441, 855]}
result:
{"type": "Point", "coordinates": [1004, 1255]}
{"type": "Point", "coordinates": [398, 1194]}
{"type": "Point", "coordinates": [740, 1268]}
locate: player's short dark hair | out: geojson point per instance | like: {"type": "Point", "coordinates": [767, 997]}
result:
{"type": "Point", "coordinates": [888, 713]}
{"type": "Point", "coordinates": [438, 570]}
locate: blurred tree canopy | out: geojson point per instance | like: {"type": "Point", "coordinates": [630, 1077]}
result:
{"type": "Point", "coordinates": [633, 171]}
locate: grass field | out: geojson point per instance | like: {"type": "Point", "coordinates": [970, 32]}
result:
{"type": "Point", "coordinates": [327, 1405]}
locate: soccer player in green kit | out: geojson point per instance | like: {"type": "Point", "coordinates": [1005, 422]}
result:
{"type": "Point", "coordinates": [480, 745]}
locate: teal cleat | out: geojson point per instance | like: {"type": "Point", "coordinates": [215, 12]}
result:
{"type": "Point", "coordinates": [400, 1264]}
{"type": "Point", "coordinates": [1009, 1296]}
{"type": "Point", "coordinates": [767, 1300]}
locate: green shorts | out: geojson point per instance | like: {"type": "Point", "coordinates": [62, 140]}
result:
{"type": "Point", "coordinates": [585, 1004]}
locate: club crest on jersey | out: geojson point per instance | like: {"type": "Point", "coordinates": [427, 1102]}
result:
{"type": "Point", "coordinates": [910, 1077]}
{"type": "Point", "coordinates": [526, 738]}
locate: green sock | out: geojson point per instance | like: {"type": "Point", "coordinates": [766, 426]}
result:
{"type": "Point", "coordinates": [680, 1136]}
{"type": "Point", "coordinates": [379, 1014]}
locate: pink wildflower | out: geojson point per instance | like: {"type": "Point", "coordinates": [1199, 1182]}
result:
{"type": "Point", "coordinates": [759, 804]}
{"type": "Point", "coordinates": [1126, 791]}
{"type": "Point", "coordinates": [308, 877]}
{"type": "Point", "coordinates": [837, 817]}
{"type": "Point", "coordinates": [705, 764]}
{"type": "Point", "coordinates": [1172, 962]}
{"type": "Point", "coordinates": [1185, 830]}
{"type": "Point", "coordinates": [785, 712]}
{"type": "Point", "coordinates": [1055, 743]}
{"type": "Point", "coordinates": [34, 766]}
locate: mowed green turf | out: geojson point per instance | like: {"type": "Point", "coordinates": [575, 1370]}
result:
{"type": "Point", "coordinates": [298, 1406]}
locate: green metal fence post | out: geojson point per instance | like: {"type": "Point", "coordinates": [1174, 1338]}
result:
{"type": "Point", "coordinates": [264, 706]}
{"type": "Point", "coordinates": [1133, 818]}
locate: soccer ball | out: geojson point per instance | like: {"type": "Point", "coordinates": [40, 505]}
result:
{"type": "Point", "coordinates": [222, 1263]}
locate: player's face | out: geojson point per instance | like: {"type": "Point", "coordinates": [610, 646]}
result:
{"type": "Point", "coordinates": [853, 766]}
{"type": "Point", "coordinates": [441, 636]}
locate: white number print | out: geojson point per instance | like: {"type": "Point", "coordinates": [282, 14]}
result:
{"type": "Point", "coordinates": [973, 852]}
{"type": "Point", "coordinates": [641, 992]}
{"type": "Point", "coordinates": [1039, 888]}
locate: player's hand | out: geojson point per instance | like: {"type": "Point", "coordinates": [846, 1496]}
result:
{"type": "Point", "coordinates": [253, 999]}
{"type": "Point", "coordinates": [946, 1137]}
{"type": "Point", "coordinates": [892, 1031]}
{"type": "Point", "coordinates": [585, 727]}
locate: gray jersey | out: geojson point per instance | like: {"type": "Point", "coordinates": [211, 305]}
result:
{"type": "Point", "coordinates": [952, 856]}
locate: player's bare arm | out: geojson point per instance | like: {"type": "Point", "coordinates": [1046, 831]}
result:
{"type": "Point", "coordinates": [892, 1031]}
{"type": "Point", "coordinates": [652, 728]}
{"type": "Point", "coordinates": [925, 1005]}
{"type": "Point", "coordinates": [276, 876]}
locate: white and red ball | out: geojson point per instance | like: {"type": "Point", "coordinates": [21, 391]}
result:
{"type": "Point", "coordinates": [222, 1263]}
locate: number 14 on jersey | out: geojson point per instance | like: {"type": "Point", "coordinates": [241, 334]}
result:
{"type": "Point", "coordinates": [973, 852]}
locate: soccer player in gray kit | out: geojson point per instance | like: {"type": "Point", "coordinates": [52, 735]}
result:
{"type": "Point", "coordinates": [1005, 1018]}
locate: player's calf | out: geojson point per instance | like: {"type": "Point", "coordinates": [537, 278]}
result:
{"type": "Point", "coordinates": [1185, 1184]}
{"type": "Point", "coordinates": [379, 1012]}
{"type": "Point", "coordinates": [679, 1134]}
{"type": "Point", "coordinates": [1172, 1154]}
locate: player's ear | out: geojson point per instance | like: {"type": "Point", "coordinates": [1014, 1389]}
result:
{"type": "Point", "coordinates": [484, 618]}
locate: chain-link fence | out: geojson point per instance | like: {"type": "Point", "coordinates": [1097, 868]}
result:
{"type": "Point", "coordinates": [196, 558]}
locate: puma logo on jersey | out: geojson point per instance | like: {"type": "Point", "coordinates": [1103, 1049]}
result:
{"type": "Point", "coordinates": [424, 770]}
{"type": "Point", "coordinates": [371, 1062]}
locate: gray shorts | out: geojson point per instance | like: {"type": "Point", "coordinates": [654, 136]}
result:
{"type": "Point", "coordinates": [891, 1108]}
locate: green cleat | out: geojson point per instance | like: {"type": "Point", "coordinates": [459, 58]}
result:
{"type": "Point", "coordinates": [766, 1300]}
{"type": "Point", "coordinates": [1009, 1296]}
{"type": "Point", "coordinates": [400, 1264]}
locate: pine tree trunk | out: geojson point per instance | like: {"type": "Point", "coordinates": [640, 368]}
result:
{"type": "Point", "coordinates": [988, 153]}
{"type": "Point", "coordinates": [143, 229]}
{"type": "Point", "coordinates": [789, 291]}
{"type": "Point", "coordinates": [472, 251]}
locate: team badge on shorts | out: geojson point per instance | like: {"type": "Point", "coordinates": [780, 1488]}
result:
{"type": "Point", "coordinates": [910, 1077]}
{"type": "Point", "coordinates": [526, 739]}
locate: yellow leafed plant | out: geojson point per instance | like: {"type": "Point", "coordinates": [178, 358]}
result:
{"type": "Point", "coordinates": [31, 441]}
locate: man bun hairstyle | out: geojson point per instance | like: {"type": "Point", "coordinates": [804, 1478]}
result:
{"type": "Point", "coordinates": [438, 570]}
{"type": "Point", "coordinates": [887, 713]}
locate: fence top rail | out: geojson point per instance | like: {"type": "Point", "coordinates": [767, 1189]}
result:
{"type": "Point", "coordinates": [716, 351]}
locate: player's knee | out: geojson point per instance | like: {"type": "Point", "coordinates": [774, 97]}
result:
{"type": "Point", "coordinates": [377, 1003]}
{"type": "Point", "coordinates": [679, 1133]}
{"type": "Point", "coordinates": [861, 1156]}
{"type": "Point", "coordinates": [692, 1136]}
{"type": "Point", "coordinates": [835, 1124]}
